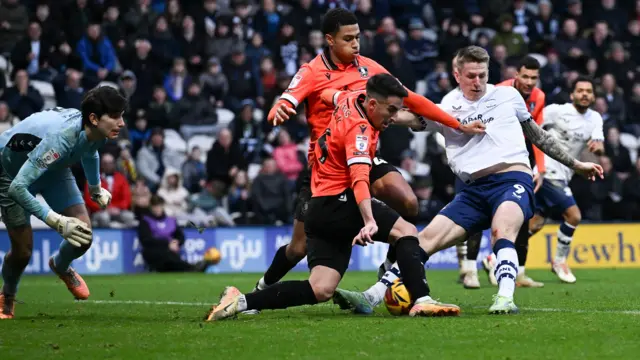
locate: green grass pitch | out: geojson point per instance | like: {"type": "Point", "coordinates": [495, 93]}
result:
{"type": "Point", "coordinates": [155, 316]}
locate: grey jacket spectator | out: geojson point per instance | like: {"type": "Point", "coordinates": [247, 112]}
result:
{"type": "Point", "coordinates": [270, 195]}
{"type": "Point", "coordinates": [22, 98]}
{"type": "Point", "coordinates": [153, 159]}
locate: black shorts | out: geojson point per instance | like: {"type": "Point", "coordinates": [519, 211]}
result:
{"type": "Point", "coordinates": [379, 168]}
{"type": "Point", "coordinates": [333, 221]}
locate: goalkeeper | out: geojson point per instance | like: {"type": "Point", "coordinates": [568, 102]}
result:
{"type": "Point", "coordinates": [35, 157]}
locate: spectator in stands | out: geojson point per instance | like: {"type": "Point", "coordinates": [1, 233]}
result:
{"type": "Point", "coordinates": [614, 97]}
{"type": "Point", "coordinates": [163, 44]}
{"type": "Point", "coordinates": [543, 28]}
{"type": "Point", "coordinates": [631, 193]}
{"type": "Point", "coordinates": [569, 45]}
{"type": "Point", "coordinates": [161, 239]}
{"type": "Point", "coordinates": [440, 87]}
{"type": "Point", "coordinates": [454, 37]}
{"type": "Point", "coordinates": [630, 39]}
{"type": "Point", "coordinates": [397, 63]}
{"type": "Point", "coordinates": [68, 89]}
{"type": "Point", "coordinates": [140, 18]}
{"type": "Point", "coordinates": [7, 119]}
{"type": "Point", "coordinates": [224, 160]}
{"type": "Point", "coordinates": [141, 196]}
{"type": "Point", "coordinates": [239, 198]}
{"type": "Point", "coordinates": [286, 157]}
{"type": "Point", "coordinates": [268, 74]}
{"type": "Point", "coordinates": [271, 196]}
{"type": "Point", "coordinates": [194, 172]}
{"type": "Point", "coordinates": [160, 109]}
{"type": "Point", "coordinates": [191, 45]}
{"type": "Point", "coordinates": [514, 42]}
{"type": "Point", "coordinates": [126, 165]}
{"type": "Point", "coordinates": [33, 54]}
{"type": "Point", "coordinates": [267, 22]}
{"type": "Point", "coordinates": [177, 80]}
{"type": "Point", "coordinates": [600, 40]}
{"type": "Point", "coordinates": [287, 51]}
{"type": "Point", "coordinates": [609, 12]}
{"type": "Point", "coordinates": [14, 20]}
{"type": "Point", "coordinates": [223, 42]}
{"type": "Point", "coordinates": [428, 205]}
{"type": "Point", "coordinates": [607, 193]}
{"type": "Point", "coordinates": [98, 55]}
{"type": "Point", "coordinates": [128, 86]}
{"type": "Point", "coordinates": [618, 154]}
{"type": "Point", "coordinates": [195, 113]}
{"type": "Point", "coordinates": [22, 98]}
{"type": "Point", "coordinates": [215, 86]}
{"type": "Point", "coordinates": [154, 158]}
{"type": "Point", "coordinates": [207, 209]}
{"type": "Point", "coordinates": [247, 133]}
{"type": "Point", "coordinates": [140, 134]}
{"type": "Point", "coordinates": [119, 209]}
{"type": "Point", "coordinates": [114, 29]}
{"type": "Point", "coordinates": [420, 50]}
{"type": "Point", "coordinates": [619, 65]}
{"type": "Point", "coordinates": [633, 113]}
{"type": "Point", "coordinates": [245, 79]}
{"type": "Point", "coordinates": [146, 67]}
{"type": "Point", "coordinates": [173, 193]}
{"type": "Point", "coordinates": [257, 50]}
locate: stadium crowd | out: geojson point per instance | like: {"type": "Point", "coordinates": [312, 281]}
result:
{"type": "Point", "coordinates": [201, 75]}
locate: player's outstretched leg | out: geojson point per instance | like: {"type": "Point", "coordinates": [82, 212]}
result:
{"type": "Point", "coordinates": [572, 217]}
{"type": "Point", "coordinates": [522, 248]}
{"type": "Point", "coordinates": [461, 252]}
{"type": "Point", "coordinates": [15, 262]}
{"type": "Point", "coordinates": [469, 265]}
{"type": "Point", "coordinates": [60, 264]}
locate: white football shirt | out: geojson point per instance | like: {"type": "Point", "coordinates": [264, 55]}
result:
{"type": "Point", "coordinates": [501, 109]}
{"type": "Point", "coordinates": [572, 130]}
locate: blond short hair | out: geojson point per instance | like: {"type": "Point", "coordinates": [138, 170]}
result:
{"type": "Point", "coordinates": [471, 54]}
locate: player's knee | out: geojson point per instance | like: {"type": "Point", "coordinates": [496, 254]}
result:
{"type": "Point", "coordinates": [411, 205]}
{"type": "Point", "coordinates": [573, 216]}
{"type": "Point", "coordinates": [297, 250]}
{"type": "Point", "coordinates": [323, 290]}
{"type": "Point", "coordinates": [401, 229]}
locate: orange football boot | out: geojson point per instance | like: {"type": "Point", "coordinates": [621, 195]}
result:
{"type": "Point", "coordinates": [73, 280]}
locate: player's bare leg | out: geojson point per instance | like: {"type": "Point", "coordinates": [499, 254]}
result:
{"type": "Point", "coordinates": [505, 225]}
{"type": "Point", "coordinates": [15, 262]}
{"type": "Point", "coordinates": [469, 264]}
{"type": "Point", "coordinates": [572, 218]}
{"type": "Point", "coordinates": [393, 190]}
{"type": "Point", "coordinates": [60, 264]}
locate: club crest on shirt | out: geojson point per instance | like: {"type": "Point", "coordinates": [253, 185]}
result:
{"type": "Point", "coordinates": [364, 71]}
{"type": "Point", "coordinates": [361, 142]}
{"type": "Point", "coordinates": [47, 158]}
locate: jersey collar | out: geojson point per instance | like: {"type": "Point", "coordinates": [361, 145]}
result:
{"type": "Point", "coordinates": [357, 103]}
{"type": "Point", "coordinates": [326, 59]}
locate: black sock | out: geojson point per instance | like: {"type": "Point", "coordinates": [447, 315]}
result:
{"type": "Point", "coordinates": [473, 246]}
{"type": "Point", "coordinates": [391, 254]}
{"type": "Point", "coordinates": [522, 244]}
{"type": "Point", "coordinates": [411, 260]}
{"type": "Point", "coordinates": [279, 267]}
{"type": "Point", "coordinates": [282, 295]}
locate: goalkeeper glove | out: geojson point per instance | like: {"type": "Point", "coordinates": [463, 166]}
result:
{"type": "Point", "coordinates": [101, 196]}
{"type": "Point", "coordinates": [75, 231]}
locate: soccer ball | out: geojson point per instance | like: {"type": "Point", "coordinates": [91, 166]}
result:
{"type": "Point", "coordinates": [212, 255]}
{"type": "Point", "coordinates": [397, 299]}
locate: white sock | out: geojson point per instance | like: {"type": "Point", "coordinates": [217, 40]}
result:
{"type": "Point", "coordinates": [261, 284]}
{"type": "Point", "coordinates": [468, 266]}
{"type": "Point", "coordinates": [242, 303]}
{"type": "Point", "coordinates": [506, 271]}
{"type": "Point", "coordinates": [520, 270]}
{"type": "Point", "coordinates": [565, 235]}
{"type": "Point", "coordinates": [375, 294]}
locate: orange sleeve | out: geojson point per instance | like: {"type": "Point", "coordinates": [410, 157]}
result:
{"type": "Point", "coordinates": [424, 107]}
{"type": "Point", "coordinates": [272, 112]}
{"type": "Point", "coordinates": [360, 188]}
{"type": "Point", "coordinates": [538, 118]}
{"type": "Point", "coordinates": [421, 105]}
{"type": "Point", "coordinates": [300, 86]}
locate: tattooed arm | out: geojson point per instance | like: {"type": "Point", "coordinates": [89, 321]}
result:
{"type": "Point", "coordinates": [545, 142]}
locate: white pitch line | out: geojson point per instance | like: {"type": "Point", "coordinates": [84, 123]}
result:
{"type": "Point", "coordinates": [182, 303]}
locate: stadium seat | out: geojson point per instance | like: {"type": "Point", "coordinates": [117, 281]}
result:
{"type": "Point", "coordinates": [541, 59]}
{"type": "Point", "coordinates": [44, 88]}
{"type": "Point", "coordinates": [253, 170]}
{"type": "Point", "coordinates": [258, 115]}
{"type": "Point", "coordinates": [225, 116]}
{"type": "Point", "coordinates": [473, 35]}
{"type": "Point", "coordinates": [108, 83]}
{"type": "Point", "coordinates": [4, 64]}
{"type": "Point", "coordinates": [173, 141]}
{"type": "Point", "coordinates": [631, 143]}
{"type": "Point", "coordinates": [204, 142]}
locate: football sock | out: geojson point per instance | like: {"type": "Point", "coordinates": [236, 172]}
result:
{"type": "Point", "coordinates": [391, 254]}
{"type": "Point", "coordinates": [66, 254]}
{"type": "Point", "coordinates": [11, 272]}
{"type": "Point", "coordinates": [473, 246]}
{"type": "Point", "coordinates": [411, 260]}
{"type": "Point", "coordinates": [461, 250]}
{"type": "Point", "coordinates": [507, 268]}
{"type": "Point", "coordinates": [522, 244]}
{"type": "Point", "coordinates": [565, 235]}
{"type": "Point", "coordinates": [280, 296]}
{"type": "Point", "coordinates": [375, 294]}
{"type": "Point", "coordinates": [279, 267]}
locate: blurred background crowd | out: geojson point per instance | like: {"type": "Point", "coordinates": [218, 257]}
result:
{"type": "Point", "coordinates": [201, 75]}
